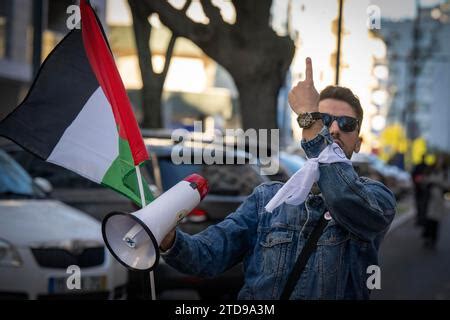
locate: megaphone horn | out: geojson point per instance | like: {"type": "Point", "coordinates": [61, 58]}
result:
{"type": "Point", "coordinates": [134, 239]}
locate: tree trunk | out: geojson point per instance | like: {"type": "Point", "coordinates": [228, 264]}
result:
{"type": "Point", "coordinates": [259, 77]}
{"type": "Point", "coordinates": [258, 103]}
{"type": "Point", "coordinates": [152, 106]}
{"type": "Point", "coordinates": [152, 83]}
{"type": "Point", "coordinates": [255, 56]}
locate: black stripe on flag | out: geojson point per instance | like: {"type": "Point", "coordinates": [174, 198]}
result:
{"type": "Point", "coordinates": [63, 85]}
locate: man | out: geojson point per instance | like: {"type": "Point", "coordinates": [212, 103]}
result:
{"type": "Point", "coordinates": [269, 242]}
{"type": "Point", "coordinates": [421, 192]}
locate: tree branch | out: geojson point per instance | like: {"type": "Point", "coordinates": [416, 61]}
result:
{"type": "Point", "coordinates": [237, 8]}
{"type": "Point", "coordinates": [252, 11]}
{"type": "Point", "coordinates": [177, 21]}
{"type": "Point", "coordinates": [212, 12]}
{"type": "Point", "coordinates": [168, 58]}
{"type": "Point", "coordinates": [142, 31]}
{"type": "Point", "coordinates": [171, 44]}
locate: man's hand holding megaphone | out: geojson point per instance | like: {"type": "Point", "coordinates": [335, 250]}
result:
{"type": "Point", "coordinates": [135, 239]}
{"type": "Point", "coordinates": [168, 240]}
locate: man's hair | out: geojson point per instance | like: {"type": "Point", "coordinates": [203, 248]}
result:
{"type": "Point", "coordinates": [346, 95]}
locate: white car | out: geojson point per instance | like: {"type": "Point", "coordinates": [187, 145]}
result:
{"type": "Point", "coordinates": [48, 249]}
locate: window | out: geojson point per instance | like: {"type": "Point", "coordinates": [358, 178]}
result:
{"type": "Point", "coordinates": [57, 15]}
{"type": "Point", "coordinates": [5, 6]}
{"type": "Point", "coordinates": [56, 25]}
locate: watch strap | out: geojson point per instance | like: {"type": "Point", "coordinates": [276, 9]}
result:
{"type": "Point", "coordinates": [316, 115]}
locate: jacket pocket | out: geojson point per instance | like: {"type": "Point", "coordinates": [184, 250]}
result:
{"type": "Point", "coordinates": [275, 243]}
{"type": "Point", "coordinates": [330, 248]}
{"type": "Point", "coordinates": [273, 238]}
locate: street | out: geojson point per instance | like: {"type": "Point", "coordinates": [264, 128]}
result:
{"type": "Point", "coordinates": [410, 271]}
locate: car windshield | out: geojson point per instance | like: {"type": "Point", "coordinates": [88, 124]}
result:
{"type": "Point", "coordinates": [234, 180]}
{"type": "Point", "coordinates": [291, 162]}
{"type": "Point", "coordinates": [14, 180]}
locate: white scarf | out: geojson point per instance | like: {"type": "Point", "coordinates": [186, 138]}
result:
{"type": "Point", "coordinates": [297, 188]}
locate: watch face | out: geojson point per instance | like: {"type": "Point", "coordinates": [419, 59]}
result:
{"type": "Point", "coordinates": [305, 120]}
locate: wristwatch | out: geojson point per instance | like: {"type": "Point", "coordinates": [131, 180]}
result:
{"type": "Point", "coordinates": [307, 119]}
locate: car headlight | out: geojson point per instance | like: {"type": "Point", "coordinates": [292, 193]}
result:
{"type": "Point", "coordinates": [9, 256]}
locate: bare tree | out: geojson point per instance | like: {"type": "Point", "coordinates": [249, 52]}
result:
{"type": "Point", "coordinates": [250, 50]}
{"type": "Point", "coordinates": [152, 82]}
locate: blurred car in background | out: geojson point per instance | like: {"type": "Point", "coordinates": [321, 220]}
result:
{"type": "Point", "coordinates": [396, 179]}
{"type": "Point", "coordinates": [291, 163]}
{"type": "Point", "coordinates": [41, 237]}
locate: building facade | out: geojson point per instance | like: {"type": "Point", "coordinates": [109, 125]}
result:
{"type": "Point", "coordinates": [16, 42]}
{"type": "Point", "coordinates": [418, 60]}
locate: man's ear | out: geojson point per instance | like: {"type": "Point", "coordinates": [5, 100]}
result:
{"type": "Point", "coordinates": [358, 144]}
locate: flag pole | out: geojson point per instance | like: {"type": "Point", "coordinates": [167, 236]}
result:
{"type": "Point", "coordinates": [141, 192]}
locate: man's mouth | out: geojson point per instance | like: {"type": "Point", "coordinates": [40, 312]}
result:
{"type": "Point", "coordinates": [339, 143]}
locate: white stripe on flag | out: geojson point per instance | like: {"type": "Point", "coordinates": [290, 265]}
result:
{"type": "Point", "coordinates": [91, 143]}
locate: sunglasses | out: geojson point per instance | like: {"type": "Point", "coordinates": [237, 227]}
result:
{"type": "Point", "coordinates": [345, 123]}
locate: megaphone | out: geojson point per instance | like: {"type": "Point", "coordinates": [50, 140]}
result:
{"type": "Point", "coordinates": [134, 239]}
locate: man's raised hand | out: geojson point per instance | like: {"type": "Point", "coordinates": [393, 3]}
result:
{"type": "Point", "coordinates": [304, 97]}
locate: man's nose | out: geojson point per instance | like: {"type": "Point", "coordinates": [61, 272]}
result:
{"type": "Point", "coordinates": [334, 128]}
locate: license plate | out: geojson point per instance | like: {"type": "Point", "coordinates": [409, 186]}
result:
{"type": "Point", "coordinates": [88, 284]}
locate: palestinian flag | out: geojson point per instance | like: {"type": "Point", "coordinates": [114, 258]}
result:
{"type": "Point", "coordinates": [77, 114]}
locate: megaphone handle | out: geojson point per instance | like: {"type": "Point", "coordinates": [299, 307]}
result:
{"type": "Point", "coordinates": [152, 285]}
{"type": "Point", "coordinates": [141, 191]}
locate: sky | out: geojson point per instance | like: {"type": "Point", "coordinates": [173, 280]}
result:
{"type": "Point", "coordinates": [400, 9]}
{"type": "Point", "coordinates": [118, 12]}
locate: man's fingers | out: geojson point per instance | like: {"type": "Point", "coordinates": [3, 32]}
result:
{"type": "Point", "coordinates": [309, 70]}
{"type": "Point", "coordinates": [304, 84]}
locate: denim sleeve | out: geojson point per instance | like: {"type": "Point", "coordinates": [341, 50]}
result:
{"type": "Point", "coordinates": [364, 207]}
{"type": "Point", "coordinates": [315, 146]}
{"type": "Point", "coordinates": [218, 247]}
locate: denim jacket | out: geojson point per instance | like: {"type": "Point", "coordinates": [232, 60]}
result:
{"type": "Point", "coordinates": [269, 243]}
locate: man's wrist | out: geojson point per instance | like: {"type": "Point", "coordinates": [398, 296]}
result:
{"type": "Point", "coordinates": [307, 119]}
{"type": "Point", "coordinates": [314, 146]}
{"type": "Point", "coordinates": [304, 109]}
{"type": "Point", "coordinates": [312, 132]}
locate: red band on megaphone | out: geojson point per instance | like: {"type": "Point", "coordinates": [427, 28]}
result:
{"type": "Point", "coordinates": [202, 184]}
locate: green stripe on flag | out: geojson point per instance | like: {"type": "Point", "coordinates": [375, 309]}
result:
{"type": "Point", "coordinates": [121, 176]}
